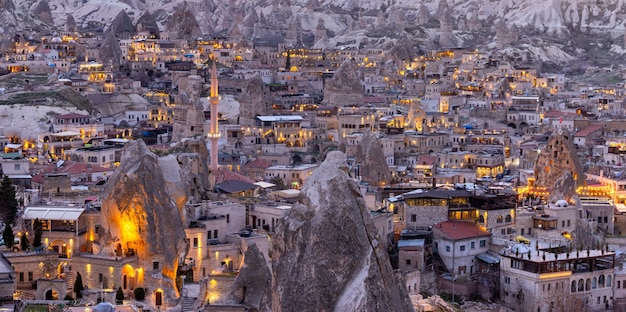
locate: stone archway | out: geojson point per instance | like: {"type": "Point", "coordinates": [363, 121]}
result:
{"type": "Point", "coordinates": [47, 288]}
{"type": "Point", "coordinates": [52, 294]}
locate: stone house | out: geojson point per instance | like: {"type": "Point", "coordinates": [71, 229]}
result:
{"type": "Point", "coordinates": [458, 243]}
{"type": "Point", "coordinates": [541, 279]}
{"type": "Point", "coordinates": [425, 209]}
{"type": "Point", "coordinates": [293, 176]}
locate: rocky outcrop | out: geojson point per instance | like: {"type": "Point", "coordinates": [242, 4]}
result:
{"type": "Point", "coordinates": [122, 26]}
{"type": "Point", "coordinates": [183, 23]}
{"type": "Point", "coordinates": [369, 155]}
{"type": "Point", "coordinates": [557, 159]}
{"type": "Point", "coordinates": [253, 100]}
{"type": "Point", "coordinates": [147, 22]}
{"type": "Point", "coordinates": [70, 23]}
{"type": "Point", "coordinates": [143, 218]}
{"type": "Point", "coordinates": [193, 158]}
{"type": "Point", "coordinates": [326, 254]}
{"type": "Point", "coordinates": [344, 88]}
{"type": "Point", "coordinates": [43, 13]}
{"type": "Point", "coordinates": [252, 287]}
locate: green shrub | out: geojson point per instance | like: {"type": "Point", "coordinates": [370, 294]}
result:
{"type": "Point", "coordinates": [139, 293]}
{"type": "Point", "coordinates": [119, 295]}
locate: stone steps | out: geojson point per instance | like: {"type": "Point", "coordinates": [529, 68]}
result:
{"type": "Point", "coordinates": [187, 304]}
{"type": "Point", "coordinates": [69, 279]}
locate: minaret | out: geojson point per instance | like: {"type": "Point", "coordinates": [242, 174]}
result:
{"type": "Point", "coordinates": [214, 133]}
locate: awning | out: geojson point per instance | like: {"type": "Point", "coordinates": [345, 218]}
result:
{"type": "Point", "coordinates": [485, 257]}
{"type": "Point", "coordinates": [91, 198]}
{"type": "Point", "coordinates": [53, 213]}
{"type": "Point", "coordinates": [13, 146]}
{"type": "Point", "coordinates": [65, 133]}
{"type": "Point", "coordinates": [20, 176]}
{"type": "Point", "coordinates": [264, 184]}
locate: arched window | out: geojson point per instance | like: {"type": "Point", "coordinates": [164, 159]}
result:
{"type": "Point", "coordinates": [499, 219]}
{"type": "Point", "coordinates": [481, 219]}
{"type": "Point", "coordinates": [608, 281]}
{"type": "Point", "coordinates": [573, 286]}
{"type": "Point", "coordinates": [594, 283]}
{"type": "Point", "coordinates": [581, 285]}
{"type": "Point", "coordinates": [601, 281]}
{"type": "Point", "coordinates": [507, 218]}
{"type": "Point", "coordinates": [588, 284]}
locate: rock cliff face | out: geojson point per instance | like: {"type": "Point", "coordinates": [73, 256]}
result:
{"type": "Point", "coordinates": [253, 100]}
{"type": "Point", "coordinates": [558, 158]}
{"type": "Point", "coordinates": [183, 23]}
{"type": "Point", "coordinates": [344, 88]}
{"type": "Point", "coordinates": [326, 255]}
{"type": "Point", "coordinates": [143, 217]}
{"type": "Point", "coordinates": [370, 156]}
{"type": "Point", "coordinates": [252, 287]}
{"type": "Point", "coordinates": [42, 12]}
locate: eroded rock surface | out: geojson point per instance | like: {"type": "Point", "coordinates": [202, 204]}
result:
{"type": "Point", "coordinates": [143, 218]}
{"type": "Point", "coordinates": [345, 88]}
{"type": "Point", "coordinates": [558, 158]}
{"type": "Point", "coordinates": [252, 287]}
{"type": "Point", "coordinates": [326, 255]}
{"type": "Point", "coordinates": [370, 156]}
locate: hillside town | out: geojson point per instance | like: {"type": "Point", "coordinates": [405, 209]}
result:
{"type": "Point", "coordinates": [151, 171]}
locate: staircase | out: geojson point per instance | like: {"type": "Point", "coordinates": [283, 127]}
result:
{"type": "Point", "coordinates": [187, 304]}
{"type": "Point", "coordinates": [69, 279]}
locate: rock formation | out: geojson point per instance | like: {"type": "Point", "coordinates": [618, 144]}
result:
{"type": "Point", "coordinates": [183, 23]}
{"type": "Point", "coordinates": [193, 158]}
{"type": "Point", "coordinates": [43, 13]}
{"type": "Point", "coordinates": [143, 218]}
{"type": "Point", "coordinates": [556, 160]}
{"type": "Point", "coordinates": [147, 22]}
{"type": "Point", "coordinates": [344, 88]}
{"type": "Point", "coordinates": [70, 23]}
{"type": "Point", "coordinates": [253, 100]}
{"type": "Point", "coordinates": [326, 254]}
{"type": "Point", "coordinates": [122, 26]}
{"type": "Point", "coordinates": [252, 287]}
{"type": "Point", "coordinates": [370, 157]}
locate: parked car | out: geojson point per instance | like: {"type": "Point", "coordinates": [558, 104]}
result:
{"type": "Point", "coordinates": [485, 179]}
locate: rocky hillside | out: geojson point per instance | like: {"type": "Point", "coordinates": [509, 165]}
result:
{"type": "Point", "coordinates": [533, 30]}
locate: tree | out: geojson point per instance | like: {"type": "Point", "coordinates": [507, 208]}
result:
{"type": "Point", "coordinates": [7, 235]}
{"type": "Point", "coordinates": [8, 203]}
{"type": "Point", "coordinates": [288, 61]}
{"type": "Point", "coordinates": [119, 295]}
{"type": "Point", "coordinates": [38, 228]}
{"type": "Point", "coordinates": [278, 181]}
{"type": "Point", "coordinates": [140, 293]}
{"type": "Point", "coordinates": [78, 286]}
{"type": "Point", "coordinates": [24, 242]}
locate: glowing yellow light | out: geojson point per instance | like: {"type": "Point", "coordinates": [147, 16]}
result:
{"type": "Point", "coordinates": [555, 275]}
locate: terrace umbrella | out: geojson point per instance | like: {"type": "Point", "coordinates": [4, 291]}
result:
{"type": "Point", "coordinates": [104, 307]}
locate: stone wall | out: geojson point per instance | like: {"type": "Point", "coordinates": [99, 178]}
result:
{"type": "Point", "coordinates": [57, 285]}
{"type": "Point", "coordinates": [425, 216]}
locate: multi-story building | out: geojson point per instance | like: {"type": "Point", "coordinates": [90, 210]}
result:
{"type": "Point", "coordinates": [458, 243]}
{"type": "Point", "coordinates": [292, 176]}
{"type": "Point", "coordinates": [540, 279]}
